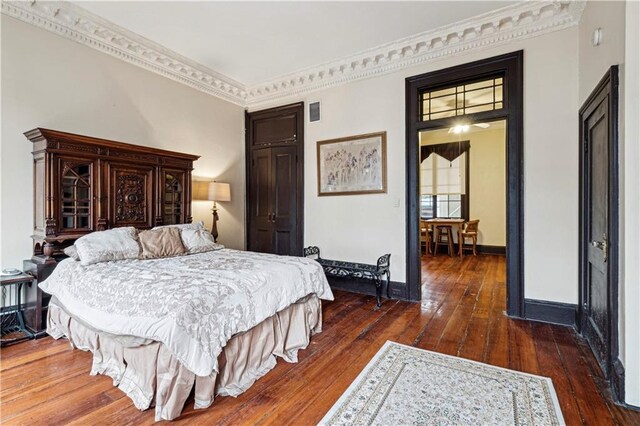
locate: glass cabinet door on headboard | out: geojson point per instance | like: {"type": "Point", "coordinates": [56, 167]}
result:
{"type": "Point", "coordinates": [76, 195]}
{"type": "Point", "coordinates": [173, 192]}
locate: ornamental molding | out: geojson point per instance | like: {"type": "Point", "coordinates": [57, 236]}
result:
{"type": "Point", "coordinates": [516, 22]}
{"type": "Point", "coordinates": [80, 25]}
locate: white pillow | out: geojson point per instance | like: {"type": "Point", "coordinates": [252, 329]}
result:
{"type": "Point", "coordinates": [104, 246]}
{"type": "Point", "coordinates": [198, 241]}
{"type": "Point", "coordinates": [72, 252]}
{"type": "Point", "coordinates": [181, 226]}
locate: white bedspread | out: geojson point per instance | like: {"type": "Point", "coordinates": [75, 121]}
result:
{"type": "Point", "coordinates": [193, 304]}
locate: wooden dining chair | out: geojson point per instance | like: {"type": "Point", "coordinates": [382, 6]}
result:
{"type": "Point", "coordinates": [469, 231]}
{"type": "Point", "coordinates": [426, 236]}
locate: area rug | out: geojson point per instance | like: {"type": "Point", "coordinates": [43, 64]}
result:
{"type": "Point", "coordinates": [403, 385]}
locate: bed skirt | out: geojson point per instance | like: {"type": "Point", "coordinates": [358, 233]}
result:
{"type": "Point", "coordinates": [150, 375]}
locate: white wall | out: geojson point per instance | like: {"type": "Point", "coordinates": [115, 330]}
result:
{"type": "Point", "coordinates": [362, 227]}
{"type": "Point", "coordinates": [630, 225]}
{"type": "Point", "coordinates": [619, 22]}
{"type": "Point", "coordinates": [51, 82]}
{"type": "Point", "coordinates": [487, 179]}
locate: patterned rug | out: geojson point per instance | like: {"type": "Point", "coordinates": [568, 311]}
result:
{"type": "Point", "coordinates": [404, 385]}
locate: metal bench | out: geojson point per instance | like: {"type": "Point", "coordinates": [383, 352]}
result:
{"type": "Point", "coordinates": [338, 268]}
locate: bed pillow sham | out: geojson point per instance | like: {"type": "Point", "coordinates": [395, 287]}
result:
{"type": "Point", "coordinates": [182, 226]}
{"type": "Point", "coordinates": [72, 252]}
{"type": "Point", "coordinates": [198, 241]}
{"type": "Point", "coordinates": [105, 246]}
{"type": "Point", "coordinates": [162, 242]}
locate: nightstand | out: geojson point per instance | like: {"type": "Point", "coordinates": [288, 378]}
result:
{"type": "Point", "coordinates": [12, 317]}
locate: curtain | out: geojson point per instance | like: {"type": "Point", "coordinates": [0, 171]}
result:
{"type": "Point", "coordinates": [442, 168]}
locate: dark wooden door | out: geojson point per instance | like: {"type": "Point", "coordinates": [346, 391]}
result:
{"type": "Point", "coordinates": [275, 180]}
{"type": "Point", "coordinates": [284, 165]}
{"type": "Point", "coordinates": [260, 188]}
{"type": "Point", "coordinates": [598, 304]}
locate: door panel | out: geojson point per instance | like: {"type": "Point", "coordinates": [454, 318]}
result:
{"type": "Point", "coordinates": [597, 306]}
{"type": "Point", "coordinates": [76, 202]}
{"type": "Point", "coordinates": [283, 242]}
{"type": "Point", "coordinates": [173, 196]}
{"type": "Point", "coordinates": [260, 197]}
{"type": "Point", "coordinates": [598, 239]}
{"type": "Point", "coordinates": [260, 202]}
{"type": "Point", "coordinates": [270, 130]}
{"type": "Point", "coordinates": [131, 200]}
{"type": "Point", "coordinates": [284, 203]}
{"type": "Point", "coordinates": [262, 242]}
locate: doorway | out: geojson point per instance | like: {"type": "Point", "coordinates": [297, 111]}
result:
{"type": "Point", "coordinates": [463, 190]}
{"type": "Point", "coordinates": [425, 111]}
{"type": "Point", "coordinates": [598, 309]}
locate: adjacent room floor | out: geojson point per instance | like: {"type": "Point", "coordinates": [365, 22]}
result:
{"type": "Point", "coordinates": [462, 313]}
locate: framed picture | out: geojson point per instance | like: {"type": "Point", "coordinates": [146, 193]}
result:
{"type": "Point", "coordinates": [353, 165]}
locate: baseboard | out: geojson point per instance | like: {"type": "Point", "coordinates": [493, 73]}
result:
{"type": "Point", "coordinates": [617, 381]}
{"type": "Point", "coordinates": [482, 249]}
{"type": "Point", "coordinates": [398, 290]}
{"type": "Point", "coordinates": [551, 312]}
{"type": "Point", "coordinates": [491, 249]}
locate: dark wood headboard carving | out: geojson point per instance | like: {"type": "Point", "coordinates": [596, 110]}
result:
{"type": "Point", "coordinates": [84, 184]}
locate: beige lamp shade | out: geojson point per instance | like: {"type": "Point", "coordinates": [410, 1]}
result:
{"type": "Point", "coordinates": [211, 191]}
{"type": "Point", "coordinates": [219, 191]}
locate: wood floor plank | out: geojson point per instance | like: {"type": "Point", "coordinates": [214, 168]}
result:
{"type": "Point", "coordinates": [551, 365]}
{"type": "Point", "coordinates": [462, 313]}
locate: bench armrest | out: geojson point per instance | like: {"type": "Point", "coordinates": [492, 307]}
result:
{"type": "Point", "coordinates": [311, 251]}
{"type": "Point", "coordinates": [383, 262]}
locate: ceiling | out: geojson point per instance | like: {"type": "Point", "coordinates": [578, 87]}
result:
{"type": "Point", "coordinates": [430, 137]}
{"type": "Point", "coordinates": [253, 42]}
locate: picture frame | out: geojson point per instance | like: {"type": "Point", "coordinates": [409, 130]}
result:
{"type": "Point", "coordinates": [353, 165]}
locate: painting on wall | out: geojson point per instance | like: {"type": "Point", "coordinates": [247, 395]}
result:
{"type": "Point", "coordinates": [353, 165]}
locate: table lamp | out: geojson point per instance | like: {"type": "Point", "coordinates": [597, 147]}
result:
{"type": "Point", "coordinates": [212, 191]}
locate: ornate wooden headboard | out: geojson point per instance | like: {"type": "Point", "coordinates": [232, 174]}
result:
{"type": "Point", "coordinates": [84, 184]}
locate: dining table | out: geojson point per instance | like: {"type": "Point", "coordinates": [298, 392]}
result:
{"type": "Point", "coordinates": [443, 221]}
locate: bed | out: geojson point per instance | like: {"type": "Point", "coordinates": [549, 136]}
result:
{"type": "Point", "coordinates": [210, 323]}
{"type": "Point", "coordinates": [165, 310]}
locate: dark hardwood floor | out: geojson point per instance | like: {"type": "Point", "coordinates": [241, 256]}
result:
{"type": "Point", "coordinates": [462, 313]}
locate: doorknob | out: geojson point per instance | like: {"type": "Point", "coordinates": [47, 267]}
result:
{"type": "Point", "coordinates": [602, 245]}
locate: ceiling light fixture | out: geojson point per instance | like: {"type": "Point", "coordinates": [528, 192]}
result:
{"type": "Point", "coordinates": [464, 128]}
{"type": "Point", "coordinates": [460, 128]}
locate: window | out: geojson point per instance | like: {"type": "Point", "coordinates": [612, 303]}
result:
{"type": "Point", "coordinates": [486, 95]}
{"type": "Point", "coordinates": [444, 187]}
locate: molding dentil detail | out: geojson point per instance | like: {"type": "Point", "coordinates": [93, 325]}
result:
{"type": "Point", "coordinates": [515, 22]}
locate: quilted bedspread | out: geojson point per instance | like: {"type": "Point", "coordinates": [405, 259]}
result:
{"type": "Point", "coordinates": [193, 304]}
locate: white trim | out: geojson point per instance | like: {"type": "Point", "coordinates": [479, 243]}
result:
{"type": "Point", "coordinates": [519, 21]}
{"type": "Point", "coordinates": [80, 25]}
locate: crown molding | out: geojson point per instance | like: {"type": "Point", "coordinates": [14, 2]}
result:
{"type": "Point", "coordinates": [80, 25]}
{"type": "Point", "coordinates": [516, 22]}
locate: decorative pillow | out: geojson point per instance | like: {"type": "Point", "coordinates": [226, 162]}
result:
{"type": "Point", "coordinates": [198, 241]}
{"type": "Point", "coordinates": [163, 242]}
{"type": "Point", "coordinates": [181, 226]}
{"type": "Point", "coordinates": [104, 246]}
{"type": "Point", "coordinates": [72, 252]}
